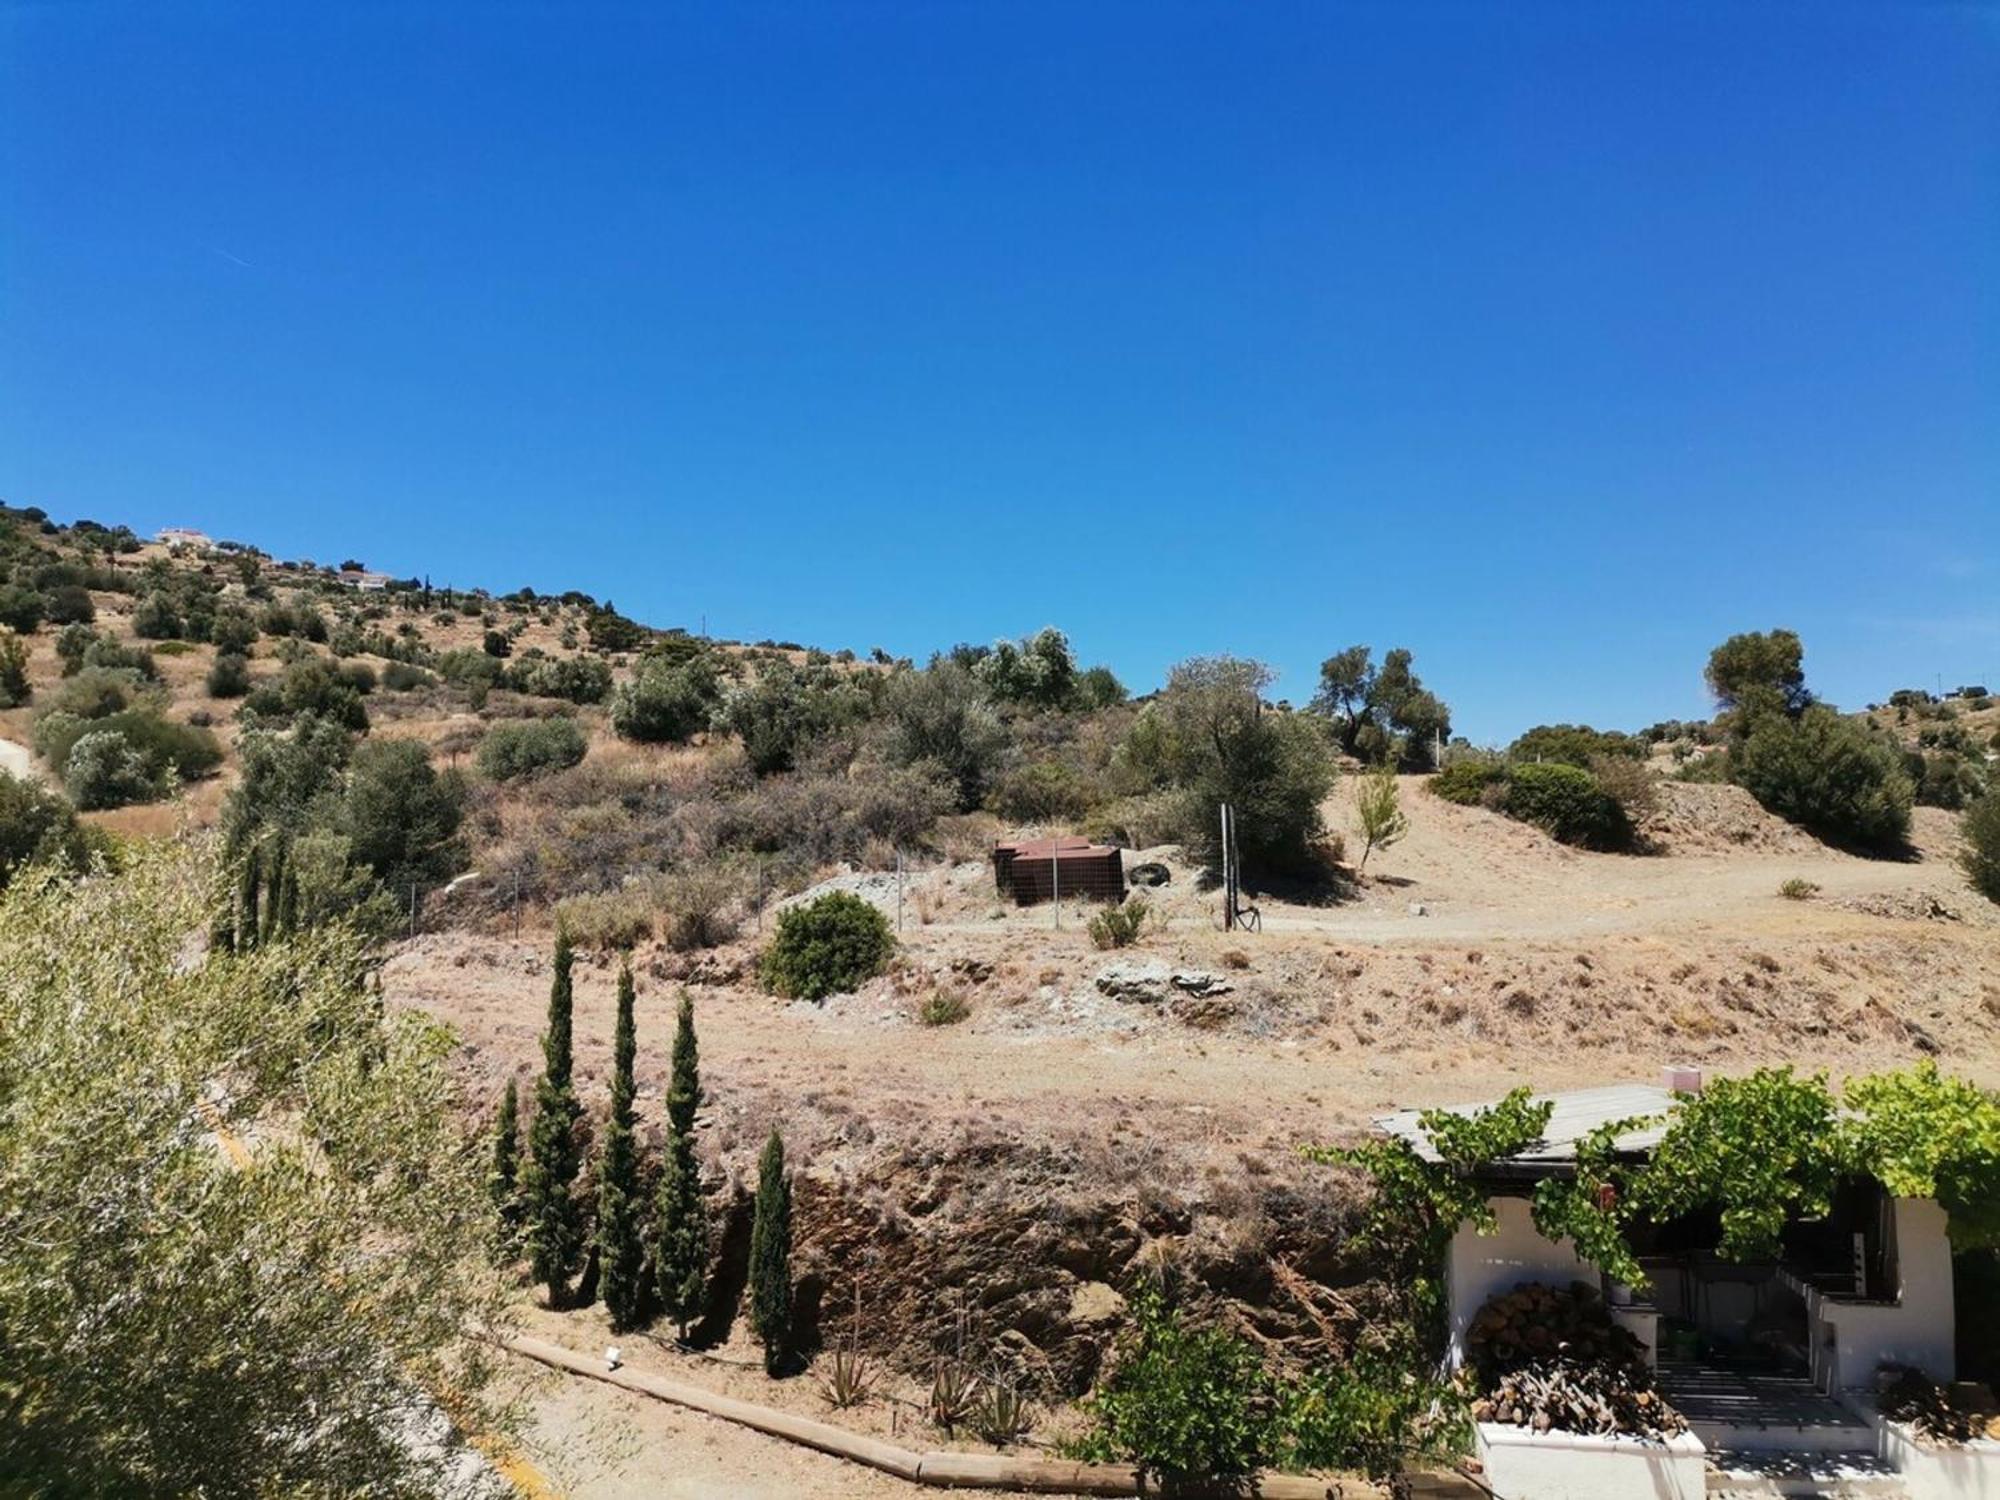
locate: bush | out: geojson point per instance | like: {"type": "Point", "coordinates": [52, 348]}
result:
{"type": "Point", "coordinates": [940, 718]}
{"type": "Point", "coordinates": [579, 679]}
{"type": "Point", "coordinates": [1981, 859]}
{"type": "Point", "coordinates": [1119, 926]}
{"type": "Point", "coordinates": [1182, 1403]}
{"type": "Point", "coordinates": [160, 744]}
{"type": "Point", "coordinates": [527, 746]}
{"type": "Point", "coordinates": [666, 703]}
{"type": "Point", "coordinates": [1629, 783]}
{"type": "Point", "coordinates": [36, 825]}
{"type": "Point", "coordinates": [403, 677]}
{"type": "Point", "coordinates": [827, 946]}
{"type": "Point", "coordinates": [402, 816]}
{"type": "Point", "coordinates": [1828, 775]}
{"type": "Point", "coordinates": [1568, 805]}
{"type": "Point", "coordinates": [69, 604]}
{"type": "Point", "coordinates": [104, 770]}
{"type": "Point", "coordinates": [943, 1008]}
{"type": "Point", "coordinates": [610, 921]}
{"type": "Point", "coordinates": [1574, 745]}
{"type": "Point", "coordinates": [14, 687]}
{"type": "Point", "coordinates": [1466, 781]}
{"type": "Point", "coordinates": [156, 619]}
{"type": "Point", "coordinates": [696, 904]}
{"type": "Point", "coordinates": [1046, 791]}
{"type": "Point", "coordinates": [20, 608]}
{"type": "Point", "coordinates": [1798, 889]}
{"type": "Point", "coordinates": [229, 676]}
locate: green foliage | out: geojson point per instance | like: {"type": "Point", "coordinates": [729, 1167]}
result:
{"type": "Point", "coordinates": [1042, 791]}
{"type": "Point", "coordinates": [1183, 1402]}
{"type": "Point", "coordinates": [1759, 670]}
{"type": "Point", "coordinates": [1567, 804]}
{"type": "Point", "coordinates": [1419, 1204]}
{"type": "Point", "coordinates": [1381, 714]}
{"type": "Point", "coordinates": [401, 816]}
{"type": "Point", "coordinates": [68, 604]}
{"type": "Point", "coordinates": [1927, 1136]}
{"type": "Point", "coordinates": [1209, 739]}
{"type": "Point", "coordinates": [1763, 1150]}
{"type": "Point", "coordinates": [1798, 889]}
{"type": "Point", "coordinates": [551, 1201]}
{"type": "Point", "coordinates": [128, 756]}
{"type": "Point", "coordinates": [36, 827]}
{"type": "Point", "coordinates": [944, 1007]}
{"type": "Point", "coordinates": [228, 676]}
{"type": "Point", "coordinates": [826, 946]}
{"type": "Point", "coordinates": [787, 709]}
{"type": "Point", "coordinates": [1369, 1413]}
{"type": "Point", "coordinates": [939, 719]}
{"type": "Point", "coordinates": [1039, 672]}
{"type": "Point", "coordinates": [310, 685]}
{"type": "Point", "coordinates": [1467, 782]}
{"type": "Point", "coordinates": [1574, 745]}
{"type": "Point", "coordinates": [666, 702]}
{"type": "Point", "coordinates": [14, 686]}
{"type": "Point", "coordinates": [620, 1234]}
{"type": "Point", "coordinates": [1981, 856]}
{"type": "Point", "coordinates": [237, 1290]}
{"type": "Point", "coordinates": [771, 1257]}
{"type": "Point", "coordinates": [1119, 926]}
{"type": "Point", "coordinates": [20, 608]}
{"type": "Point", "coordinates": [103, 769]}
{"type": "Point", "coordinates": [523, 747]}
{"type": "Point", "coordinates": [1827, 774]}
{"type": "Point", "coordinates": [1378, 811]}
{"type": "Point", "coordinates": [578, 679]}
{"type": "Point", "coordinates": [156, 619]}
{"type": "Point", "coordinates": [680, 1220]}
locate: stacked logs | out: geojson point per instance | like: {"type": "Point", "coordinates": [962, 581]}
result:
{"type": "Point", "coordinates": [1552, 1359]}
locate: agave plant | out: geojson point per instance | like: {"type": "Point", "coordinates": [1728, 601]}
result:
{"type": "Point", "coordinates": [954, 1391]}
{"type": "Point", "coordinates": [850, 1378]}
{"type": "Point", "coordinates": [1001, 1413]}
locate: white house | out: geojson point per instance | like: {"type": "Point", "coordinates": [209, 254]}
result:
{"type": "Point", "coordinates": [1765, 1358]}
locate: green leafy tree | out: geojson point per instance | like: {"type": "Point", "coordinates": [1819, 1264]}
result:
{"type": "Point", "coordinates": [786, 709]}
{"type": "Point", "coordinates": [503, 1183]}
{"type": "Point", "coordinates": [36, 826]}
{"type": "Point", "coordinates": [1381, 713]}
{"type": "Point", "coordinates": [771, 1256]}
{"type": "Point", "coordinates": [234, 1292]}
{"type": "Point", "coordinates": [1759, 670]}
{"type": "Point", "coordinates": [1379, 812]}
{"type": "Point", "coordinates": [620, 1233]}
{"type": "Point", "coordinates": [1927, 1136]}
{"type": "Point", "coordinates": [1981, 856]}
{"type": "Point", "coordinates": [666, 702]}
{"type": "Point", "coordinates": [1827, 774]}
{"type": "Point", "coordinates": [552, 1203]}
{"type": "Point", "coordinates": [14, 686]}
{"type": "Point", "coordinates": [940, 719]}
{"type": "Point", "coordinates": [1208, 739]}
{"type": "Point", "coordinates": [402, 815]}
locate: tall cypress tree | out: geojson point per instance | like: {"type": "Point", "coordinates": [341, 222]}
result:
{"type": "Point", "coordinates": [554, 1207]}
{"type": "Point", "coordinates": [274, 895]}
{"type": "Point", "coordinates": [771, 1256]}
{"type": "Point", "coordinates": [680, 1218]}
{"type": "Point", "coordinates": [246, 913]}
{"type": "Point", "coordinates": [620, 1242]}
{"type": "Point", "coordinates": [502, 1182]}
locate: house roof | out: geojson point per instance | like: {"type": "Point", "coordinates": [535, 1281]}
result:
{"type": "Point", "coordinates": [1575, 1115]}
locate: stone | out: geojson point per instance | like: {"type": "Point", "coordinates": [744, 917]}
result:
{"type": "Point", "coordinates": [1145, 982]}
{"type": "Point", "coordinates": [1094, 1304]}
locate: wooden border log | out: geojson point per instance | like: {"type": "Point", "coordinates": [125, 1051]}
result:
{"type": "Point", "coordinates": [957, 1470]}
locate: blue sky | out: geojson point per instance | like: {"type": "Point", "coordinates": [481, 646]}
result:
{"type": "Point", "coordinates": [1552, 341]}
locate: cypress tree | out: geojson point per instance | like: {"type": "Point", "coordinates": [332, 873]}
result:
{"type": "Point", "coordinates": [620, 1246]}
{"type": "Point", "coordinates": [503, 1181]}
{"type": "Point", "coordinates": [771, 1256]}
{"type": "Point", "coordinates": [554, 1208]}
{"type": "Point", "coordinates": [274, 895]}
{"type": "Point", "coordinates": [680, 1218]}
{"type": "Point", "coordinates": [288, 898]}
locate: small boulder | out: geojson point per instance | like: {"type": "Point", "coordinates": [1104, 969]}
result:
{"type": "Point", "coordinates": [1145, 982]}
{"type": "Point", "coordinates": [1093, 1304]}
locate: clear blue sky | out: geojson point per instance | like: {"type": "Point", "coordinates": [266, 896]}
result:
{"type": "Point", "coordinates": [1552, 341]}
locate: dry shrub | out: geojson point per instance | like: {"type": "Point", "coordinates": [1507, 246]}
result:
{"type": "Point", "coordinates": [608, 920]}
{"type": "Point", "coordinates": [1630, 783]}
{"type": "Point", "coordinates": [698, 905]}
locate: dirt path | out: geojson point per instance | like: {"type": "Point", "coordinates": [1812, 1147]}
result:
{"type": "Point", "coordinates": [17, 760]}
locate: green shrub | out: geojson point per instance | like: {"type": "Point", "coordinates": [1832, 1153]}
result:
{"type": "Point", "coordinates": [160, 744]}
{"type": "Point", "coordinates": [1368, 1413]}
{"type": "Point", "coordinates": [97, 691]}
{"type": "Point", "coordinates": [943, 1008]}
{"type": "Point", "coordinates": [1828, 775]}
{"type": "Point", "coordinates": [1466, 781]}
{"type": "Point", "coordinates": [1981, 858]}
{"type": "Point", "coordinates": [402, 816]}
{"type": "Point", "coordinates": [14, 687]}
{"type": "Point", "coordinates": [1119, 926]}
{"type": "Point", "coordinates": [1183, 1403]}
{"type": "Point", "coordinates": [20, 608]}
{"type": "Point", "coordinates": [1044, 791]}
{"type": "Point", "coordinates": [1574, 745]}
{"type": "Point", "coordinates": [1798, 889]}
{"type": "Point", "coordinates": [104, 770]}
{"type": "Point", "coordinates": [1568, 805]}
{"type": "Point", "coordinates": [156, 619]}
{"type": "Point", "coordinates": [666, 703]}
{"type": "Point", "coordinates": [403, 677]}
{"type": "Point", "coordinates": [697, 905]}
{"type": "Point", "coordinates": [68, 604]}
{"type": "Point", "coordinates": [579, 679]}
{"type": "Point", "coordinates": [229, 676]}
{"type": "Point", "coordinates": [826, 946]}
{"type": "Point", "coordinates": [940, 718]}
{"type": "Point", "coordinates": [608, 921]}
{"type": "Point", "coordinates": [526, 746]}
{"type": "Point", "coordinates": [36, 825]}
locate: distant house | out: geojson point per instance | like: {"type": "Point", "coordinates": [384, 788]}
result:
{"type": "Point", "coordinates": [184, 539]}
{"type": "Point", "coordinates": [361, 578]}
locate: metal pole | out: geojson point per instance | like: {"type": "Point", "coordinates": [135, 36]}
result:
{"type": "Point", "coordinates": [899, 892]}
{"type": "Point", "coordinates": [1055, 877]}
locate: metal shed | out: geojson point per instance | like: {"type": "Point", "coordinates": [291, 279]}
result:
{"type": "Point", "coordinates": [1033, 870]}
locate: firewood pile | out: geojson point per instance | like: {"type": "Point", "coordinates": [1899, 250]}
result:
{"type": "Point", "coordinates": [1954, 1414]}
{"type": "Point", "coordinates": [1548, 1359]}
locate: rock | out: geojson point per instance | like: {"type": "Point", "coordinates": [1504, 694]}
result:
{"type": "Point", "coordinates": [972, 970]}
{"type": "Point", "coordinates": [1201, 983]}
{"type": "Point", "coordinates": [1417, 909]}
{"type": "Point", "coordinates": [1150, 873]}
{"type": "Point", "coordinates": [1093, 1304]}
{"type": "Point", "coordinates": [1145, 982]}
{"type": "Point", "coordinates": [1205, 1012]}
